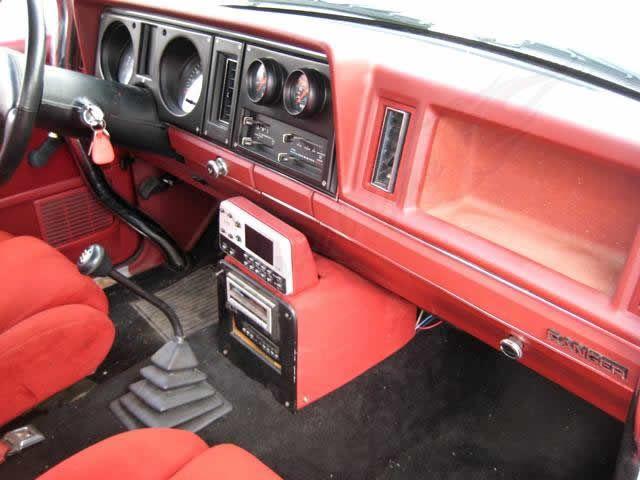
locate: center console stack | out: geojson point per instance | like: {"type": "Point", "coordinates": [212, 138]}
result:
{"type": "Point", "coordinates": [298, 322]}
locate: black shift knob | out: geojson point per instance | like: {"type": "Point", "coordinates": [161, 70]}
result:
{"type": "Point", "coordinates": [95, 261]}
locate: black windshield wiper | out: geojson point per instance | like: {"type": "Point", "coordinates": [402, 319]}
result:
{"type": "Point", "coordinates": [351, 12]}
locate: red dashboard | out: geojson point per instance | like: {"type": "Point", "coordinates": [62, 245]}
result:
{"type": "Point", "coordinates": [515, 209]}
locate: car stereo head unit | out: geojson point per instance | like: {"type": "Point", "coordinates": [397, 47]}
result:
{"type": "Point", "coordinates": [266, 246]}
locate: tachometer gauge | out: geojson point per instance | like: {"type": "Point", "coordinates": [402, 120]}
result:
{"type": "Point", "coordinates": [190, 85]}
{"type": "Point", "coordinates": [117, 55]}
{"type": "Point", "coordinates": [264, 81]}
{"type": "Point", "coordinates": [125, 65]}
{"type": "Point", "coordinates": [304, 93]}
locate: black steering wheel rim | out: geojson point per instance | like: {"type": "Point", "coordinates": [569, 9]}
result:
{"type": "Point", "coordinates": [21, 93]}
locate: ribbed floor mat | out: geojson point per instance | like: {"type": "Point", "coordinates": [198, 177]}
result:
{"type": "Point", "coordinates": [194, 299]}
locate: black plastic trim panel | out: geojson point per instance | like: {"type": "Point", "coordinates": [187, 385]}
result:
{"type": "Point", "coordinates": [215, 46]}
{"type": "Point", "coordinates": [159, 37]}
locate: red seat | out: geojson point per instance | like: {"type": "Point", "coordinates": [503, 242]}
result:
{"type": "Point", "coordinates": [54, 328]}
{"type": "Point", "coordinates": [5, 236]}
{"type": "Point", "coordinates": [158, 453]}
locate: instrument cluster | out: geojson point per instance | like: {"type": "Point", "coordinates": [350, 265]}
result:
{"type": "Point", "coordinates": [303, 92]}
{"type": "Point", "coordinates": [267, 101]}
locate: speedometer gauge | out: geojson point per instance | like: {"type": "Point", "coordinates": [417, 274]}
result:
{"type": "Point", "coordinates": [264, 81]}
{"type": "Point", "coordinates": [190, 85]}
{"type": "Point", "coordinates": [181, 77]}
{"type": "Point", "coordinates": [305, 92]}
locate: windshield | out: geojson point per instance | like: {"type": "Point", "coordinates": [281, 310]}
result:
{"type": "Point", "coordinates": [593, 36]}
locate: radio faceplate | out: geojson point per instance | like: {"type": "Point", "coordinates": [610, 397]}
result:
{"type": "Point", "coordinates": [260, 248]}
{"type": "Point", "coordinates": [248, 300]}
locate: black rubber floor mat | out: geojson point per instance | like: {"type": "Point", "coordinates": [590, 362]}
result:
{"type": "Point", "coordinates": [194, 298]}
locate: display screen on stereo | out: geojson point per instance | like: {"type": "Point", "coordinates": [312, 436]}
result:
{"type": "Point", "coordinates": [258, 244]}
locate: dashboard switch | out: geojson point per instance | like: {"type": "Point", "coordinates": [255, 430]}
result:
{"type": "Point", "coordinates": [512, 347]}
{"type": "Point", "coordinates": [217, 168]}
{"type": "Point", "coordinates": [282, 157]}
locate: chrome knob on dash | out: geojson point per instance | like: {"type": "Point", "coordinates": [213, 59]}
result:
{"type": "Point", "coordinates": [217, 168]}
{"type": "Point", "coordinates": [511, 347]}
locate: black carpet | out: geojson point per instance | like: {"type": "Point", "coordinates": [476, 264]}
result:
{"type": "Point", "coordinates": [444, 407]}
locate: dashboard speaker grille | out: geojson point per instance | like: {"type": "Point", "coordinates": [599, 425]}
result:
{"type": "Point", "coordinates": [71, 216]}
{"type": "Point", "coordinates": [394, 129]}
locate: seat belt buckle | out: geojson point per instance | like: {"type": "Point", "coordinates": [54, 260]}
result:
{"type": "Point", "coordinates": [17, 440]}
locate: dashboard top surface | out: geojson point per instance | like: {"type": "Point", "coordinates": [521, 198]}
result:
{"type": "Point", "coordinates": [547, 93]}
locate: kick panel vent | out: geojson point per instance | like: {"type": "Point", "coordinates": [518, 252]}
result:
{"type": "Point", "coordinates": [228, 89]}
{"type": "Point", "coordinates": [394, 130]}
{"type": "Point", "coordinates": [71, 216]}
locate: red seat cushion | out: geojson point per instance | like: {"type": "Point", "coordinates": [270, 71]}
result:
{"type": "Point", "coordinates": [48, 352]}
{"type": "Point", "coordinates": [225, 462]}
{"type": "Point", "coordinates": [5, 236]}
{"type": "Point", "coordinates": [35, 276]}
{"type": "Point", "coordinates": [53, 324]}
{"type": "Point", "coordinates": [158, 453]}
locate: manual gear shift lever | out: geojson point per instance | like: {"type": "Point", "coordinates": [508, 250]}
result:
{"type": "Point", "coordinates": [173, 391]}
{"type": "Point", "coordinates": [95, 262]}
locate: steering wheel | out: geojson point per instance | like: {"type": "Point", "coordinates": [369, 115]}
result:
{"type": "Point", "coordinates": [21, 93]}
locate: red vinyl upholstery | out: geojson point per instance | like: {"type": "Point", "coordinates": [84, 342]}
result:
{"type": "Point", "coordinates": [158, 453]}
{"type": "Point", "coordinates": [54, 328]}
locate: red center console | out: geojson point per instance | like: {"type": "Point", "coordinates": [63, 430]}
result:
{"type": "Point", "coordinates": [299, 322]}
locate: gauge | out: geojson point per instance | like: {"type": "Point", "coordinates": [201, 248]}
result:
{"type": "Point", "coordinates": [181, 78]}
{"type": "Point", "coordinates": [305, 92]}
{"type": "Point", "coordinates": [264, 81]}
{"type": "Point", "coordinates": [117, 58]}
{"type": "Point", "coordinates": [190, 82]}
{"type": "Point", "coordinates": [125, 64]}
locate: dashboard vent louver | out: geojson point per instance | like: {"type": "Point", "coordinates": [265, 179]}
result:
{"type": "Point", "coordinates": [392, 135]}
{"type": "Point", "coordinates": [228, 90]}
{"type": "Point", "coordinates": [144, 53]}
